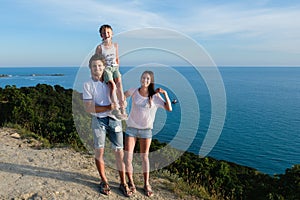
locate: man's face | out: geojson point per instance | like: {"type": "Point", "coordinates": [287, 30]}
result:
{"type": "Point", "coordinates": [97, 68]}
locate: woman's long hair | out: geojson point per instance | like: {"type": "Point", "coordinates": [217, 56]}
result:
{"type": "Point", "coordinates": [151, 87]}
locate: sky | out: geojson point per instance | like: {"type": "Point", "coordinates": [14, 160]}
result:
{"type": "Point", "coordinates": [232, 33]}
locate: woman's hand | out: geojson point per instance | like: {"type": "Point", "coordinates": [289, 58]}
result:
{"type": "Point", "coordinates": [168, 102]}
{"type": "Point", "coordinates": [161, 91]}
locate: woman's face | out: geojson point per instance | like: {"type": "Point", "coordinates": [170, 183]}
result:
{"type": "Point", "coordinates": [145, 80]}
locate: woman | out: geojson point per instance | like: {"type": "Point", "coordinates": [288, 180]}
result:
{"type": "Point", "coordinates": [145, 101]}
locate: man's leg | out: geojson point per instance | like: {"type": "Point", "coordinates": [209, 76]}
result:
{"type": "Point", "coordinates": [119, 153]}
{"type": "Point", "coordinates": [116, 138]}
{"type": "Point", "coordinates": [99, 160]}
{"type": "Point", "coordinates": [99, 131]}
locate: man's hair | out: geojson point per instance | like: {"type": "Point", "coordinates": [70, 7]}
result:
{"type": "Point", "coordinates": [96, 57]}
{"type": "Point", "coordinates": [103, 27]}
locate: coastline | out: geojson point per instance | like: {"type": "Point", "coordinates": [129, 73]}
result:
{"type": "Point", "coordinates": [233, 150]}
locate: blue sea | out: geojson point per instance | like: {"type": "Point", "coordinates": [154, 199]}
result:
{"type": "Point", "coordinates": [260, 127]}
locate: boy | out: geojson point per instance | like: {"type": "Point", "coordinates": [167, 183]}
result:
{"type": "Point", "coordinates": [112, 75]}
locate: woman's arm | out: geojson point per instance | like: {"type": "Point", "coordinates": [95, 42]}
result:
{"type": "Point", "coordinates": [129, 92]}
{"type": "Point", "coordinates": [98, 50]}
{"type": "Point", "coordinates": [168, 105]}
{"type": "Point", "coordinates": [126, 94]}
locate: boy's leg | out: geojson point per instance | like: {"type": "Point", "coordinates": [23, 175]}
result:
{"type": "Point", "coordinates": [113, 96]}
{"type": "Point", "coordinates": [108, 78]}
{"type": "Point", "coordinates": [119, 87]}
{"type": "Point", "coordinates": [121, 97]}
{"type": "Point", "coordinates": [120, 93]}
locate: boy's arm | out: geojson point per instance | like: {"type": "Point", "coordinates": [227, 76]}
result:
{"type": "Point", "coordinates": [117, 53]}
{"type": "Point", "coordinates": [98, 50]}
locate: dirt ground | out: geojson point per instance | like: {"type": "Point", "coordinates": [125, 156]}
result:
{"type": "Point", "coordinates": [58, 173]}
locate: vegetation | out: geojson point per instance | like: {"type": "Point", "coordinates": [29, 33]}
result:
{"type": "Point", "coordinates": [44, 110]}
{"type": "Point", "coordinates": [56, 115]}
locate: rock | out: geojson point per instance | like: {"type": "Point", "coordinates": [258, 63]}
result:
{"type": "Point", "coordinates": [15, 135]}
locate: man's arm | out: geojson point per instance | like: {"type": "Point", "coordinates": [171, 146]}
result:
{"type": "Point", "coordinates": [90, 107]}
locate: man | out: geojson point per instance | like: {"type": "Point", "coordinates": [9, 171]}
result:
{"type": "Point", "coordinates": [96, 96]}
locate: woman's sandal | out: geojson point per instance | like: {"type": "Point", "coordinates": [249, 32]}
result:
{"type": "Point", "coordinates": [148, 190]}
{"type": "Point", "coordinates": [104, 188]}
{"type": "Point", "coordinates": [132, 187]}
{"type": "Point", "coordinates": [125, 190]}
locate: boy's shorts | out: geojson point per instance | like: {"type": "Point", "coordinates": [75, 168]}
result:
{"type": "Point", "coordinates": [111, 72]}
{"type": "Point", "coordinates": [109, 126]}
{"type": "Point", "coordinates": [138, 133]}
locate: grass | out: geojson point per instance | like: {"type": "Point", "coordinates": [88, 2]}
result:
{"type": "Point", "coordinates": [32, 138]}
{"type": "Point", "coordinates": [181, 188]}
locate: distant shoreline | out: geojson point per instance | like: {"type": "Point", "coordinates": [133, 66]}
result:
{"type": "Point", "coordinates": [9, 75]}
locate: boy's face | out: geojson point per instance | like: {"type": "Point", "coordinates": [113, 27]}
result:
{"type": "Point", "coordinates": [97, 68]}
{"type": "Point", "coordinates": [106, 34]}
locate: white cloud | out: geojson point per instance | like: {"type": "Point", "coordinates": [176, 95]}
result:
{"type": "Point", "coordinates": [124, 15]}
{"type": "Point", "coordinates": [200, 19]}
{"type": "Point", "coordinates": [250, 26]}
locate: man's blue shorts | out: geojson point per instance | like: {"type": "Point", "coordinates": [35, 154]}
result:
{"type": "Point", "coordinates": [109, 126]}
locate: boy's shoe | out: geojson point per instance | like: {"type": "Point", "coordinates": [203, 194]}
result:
{"type": "Point", "coordinates": [117, 114]}
{"type": "Point", "coordinates": [124, 114]}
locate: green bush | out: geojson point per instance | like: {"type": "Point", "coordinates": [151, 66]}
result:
{"type": "Point", "coordinates": [50, 114]}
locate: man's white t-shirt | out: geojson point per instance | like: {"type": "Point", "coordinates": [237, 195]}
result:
{"type": "Point", "coordinates": [98, 92]}
{"type": "Point", "coordinates": [142, 115]}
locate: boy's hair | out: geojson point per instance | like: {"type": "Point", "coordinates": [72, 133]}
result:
{"type": "Point", "coordinates": [96, 57]}
{"type": "Point", "coordinates": [104, 26]}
